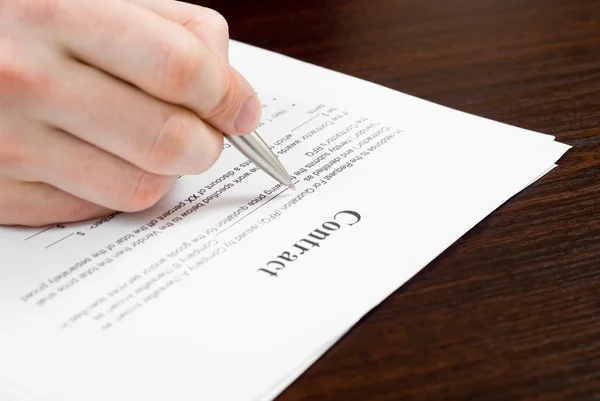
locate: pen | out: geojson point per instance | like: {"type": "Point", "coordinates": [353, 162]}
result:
{"type": "Point", "coordinates": [257, 151]}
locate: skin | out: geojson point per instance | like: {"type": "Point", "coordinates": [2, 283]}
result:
{"type": "Point", "coordinates": [104, 103]}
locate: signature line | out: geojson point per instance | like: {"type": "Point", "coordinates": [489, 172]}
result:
{"type": "Point", "coordinates": [62, 239]}
{"type": "Point", "coordinates": [41, 232]}
{"type": "Point", "coordinates": [306, 122]}
{"type": "Point", "coordinates": [255, 210]}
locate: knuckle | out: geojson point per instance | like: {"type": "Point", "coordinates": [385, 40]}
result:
{"type": "Point", "coordinates": [217, 21]}
{"type": "Point", "coordinates": [16, 84]}
{"type": "Point", "coordinates": [182, 64]}
{"type": "Point", "coordinates": [170, 145]}
{"type": "Point", "coordinates": [13, 78]}
{"type": "Point", "coordinates": [149, 189]}
{"type": "Point", "coordinates": [18, 79]}
{"type": "Point", "coordinates": [12, 152]}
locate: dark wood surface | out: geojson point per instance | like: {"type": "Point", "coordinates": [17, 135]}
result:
{"type": "Point", "coordinates": [512, 310]}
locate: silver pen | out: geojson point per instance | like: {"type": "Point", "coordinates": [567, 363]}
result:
{"type": "Point", "coordinates": [257, 151]}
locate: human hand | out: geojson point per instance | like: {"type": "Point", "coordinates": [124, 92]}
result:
{"type": "Point", "coordinates": [104, 103]}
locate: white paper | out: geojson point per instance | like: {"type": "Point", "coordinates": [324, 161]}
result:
{"type": "Point", "coordinates": [181, 302]}
{"type": "Point", "coordinates": [308, 81]}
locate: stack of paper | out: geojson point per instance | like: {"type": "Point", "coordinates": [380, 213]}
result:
{"type": "Point", "coordinates": [232, 286]}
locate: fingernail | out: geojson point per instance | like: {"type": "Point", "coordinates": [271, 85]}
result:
{"type": "Point", "coordinates": [249, 115]}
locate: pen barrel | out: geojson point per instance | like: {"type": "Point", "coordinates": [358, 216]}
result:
{"type": "Point", "coordinates": [257, 151]}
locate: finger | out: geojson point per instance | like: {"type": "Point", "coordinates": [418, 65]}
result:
{"type": "Point", "coordinates": [205, 23]}
{"type": "Point", "coordinates": [155, 136]}
{"type": "Point", "coordinates": [80, 169]}
{"type": "Point", "coordinates": [38, 204]}
{"type": "Point", "coordinates": [160, 57]}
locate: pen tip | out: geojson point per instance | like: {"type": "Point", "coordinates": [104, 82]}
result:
{"type": "Point", "coordinates": [292, 186]}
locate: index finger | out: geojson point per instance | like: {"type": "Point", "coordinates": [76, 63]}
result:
{"type": "Point", "coordinates": [205, 23]}
{"type": "Point", "coordinates": [161, 58]}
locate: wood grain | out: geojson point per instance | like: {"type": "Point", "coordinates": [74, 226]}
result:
{"type": "Point", "coordinates": [512, 309]}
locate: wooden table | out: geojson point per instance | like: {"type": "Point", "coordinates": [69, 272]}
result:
{"type": "Point", "coordinates": [512, 310]}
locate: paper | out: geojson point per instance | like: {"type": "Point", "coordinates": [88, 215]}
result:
{"type": "Point", "coordinates": [233, 285]}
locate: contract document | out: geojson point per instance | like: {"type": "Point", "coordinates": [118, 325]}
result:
{"type": "Point", "coordinates": [232, 285]}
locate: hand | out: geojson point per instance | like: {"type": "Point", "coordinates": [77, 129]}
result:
{"type": "Point", "coordinates": [104, 103]}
